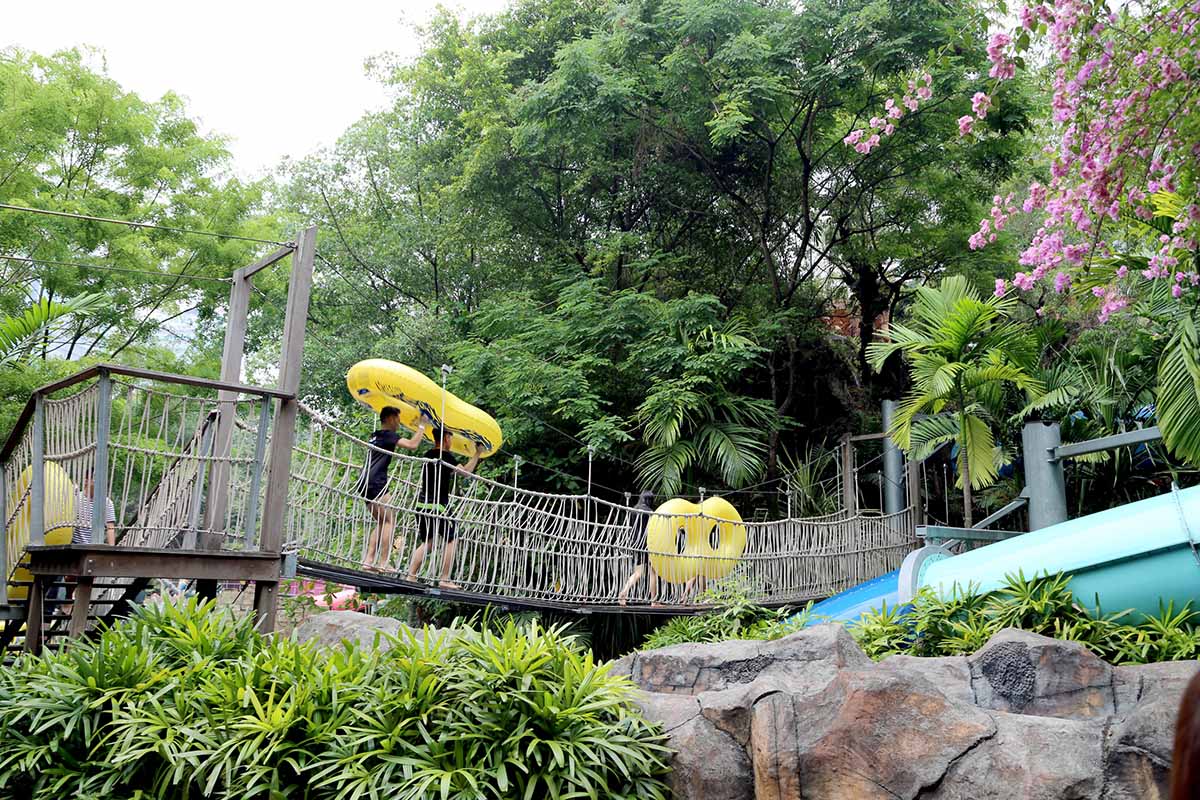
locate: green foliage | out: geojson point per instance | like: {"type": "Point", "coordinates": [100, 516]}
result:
{"type": "Point", "coordinates": [187, 701]}
{"type": "Point", "coordinates": [963, 353]}
{"type": "Point", "coordinates": [736, 617]}
{"type": "Point", "coordinates": [19, 332]}
{"type": "Point", "coordinates": [963, 622]}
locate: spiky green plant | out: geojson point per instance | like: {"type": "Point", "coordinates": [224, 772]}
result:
{"type": "Point", "coordinates": [189, 702]}
{"type": "Point", "coordinates": [963, 352]}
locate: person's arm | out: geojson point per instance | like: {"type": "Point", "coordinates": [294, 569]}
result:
{"type": "Point", "coordinates": [414, 441]}
{"type": "Point", "coordinates": [470, 466]}
{"type": "Point", "coordinates": [110, 522]}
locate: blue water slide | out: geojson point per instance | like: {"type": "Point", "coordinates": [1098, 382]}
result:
{"type": "Point", "coordinates": [1125, 558]}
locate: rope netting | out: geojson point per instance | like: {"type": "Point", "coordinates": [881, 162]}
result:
{"type": "Point", "coordinates": [186, 470]}
{"type": "Point", "coordinates": [574, 549]}
{"type": "Point", "coordinates": [166, 452]}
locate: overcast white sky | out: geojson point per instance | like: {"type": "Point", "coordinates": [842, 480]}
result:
{"type": "Point", "coordinates": [281, 78]}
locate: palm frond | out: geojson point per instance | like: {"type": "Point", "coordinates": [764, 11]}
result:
{"type": "Point", "coordinates": [19, 331]}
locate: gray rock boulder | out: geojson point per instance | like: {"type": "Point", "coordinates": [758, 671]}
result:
{"type": "Point", "coordinates": [808, 655]}
{"type": "Point", "coordinates": [874, 734]}
{"type": "Point", "coordinates": [1029, 757]}
{"type": "Point", "coordinates": [332, 628]}
{"type": "Point", "coordinates": [811, 717]}
{"type": "Point", "coordinates": [1139, 748]}
{"type": "Point", "coordinates": [1030, 674]}
{"type": "Point", "coordinates": [708, 764]}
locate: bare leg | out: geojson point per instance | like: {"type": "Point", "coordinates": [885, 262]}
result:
{"type": "Point", "coordinates": [447, 564]}
{"type": "Point", "coordinates": [387, 528]}
{"type": "Point", "coordinates": [652, 586]}
{"type": "Point", "coordinates": [418, 558]}
{"type": "Point", "coordinates": [377, 514]}
{"type": "Point", "coordinates": [623, 595]}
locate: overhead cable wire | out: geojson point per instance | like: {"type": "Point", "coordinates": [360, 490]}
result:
{"type": "Point", "coordinates": [131, 224]}
{"type": "Point", "coordinates": [109, 268]}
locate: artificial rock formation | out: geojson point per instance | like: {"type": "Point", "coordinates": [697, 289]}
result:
{"type": "Point", "coordinates": [810, 716]}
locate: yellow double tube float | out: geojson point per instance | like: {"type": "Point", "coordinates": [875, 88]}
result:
{"type": "Point", "coordinates": [58, 510]}
{"type": "Point", "coordinates": [686, 540]}
{"type": "Point", "coordinates": [379, 383]}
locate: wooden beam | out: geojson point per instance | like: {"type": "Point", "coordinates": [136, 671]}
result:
{"type": "Point", "coordinates": [82, 602]}
{"type": "Point", "coordinates": [117, 561]}
{"type": "Point", "coordinates": [264, 262]}
{"type": "Point", "coordinates": [290, 361]}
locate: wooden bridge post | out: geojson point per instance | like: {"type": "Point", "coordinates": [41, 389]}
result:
{"type": "Point", "coordinates": [100, 465]}
{"type": "Point", "coordinates": [37, 478]}
{"type": "Point", "coordinates": [290, 359]}
{"type": "Point", "coordinates": [3, 538]}
{"type": "Point", "coordinates": [849, 485]}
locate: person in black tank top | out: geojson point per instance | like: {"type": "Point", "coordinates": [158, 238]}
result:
{"type": "Point", "coordinates": [372, 484]}
{"type": "Point", "coordinates": [437, 476]}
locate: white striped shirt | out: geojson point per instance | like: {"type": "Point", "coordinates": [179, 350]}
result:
{"type": "Point", "coordinates": [83, 519]}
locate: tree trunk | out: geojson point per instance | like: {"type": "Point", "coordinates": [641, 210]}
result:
{"type": "Point", "coordinates": [965, 472]}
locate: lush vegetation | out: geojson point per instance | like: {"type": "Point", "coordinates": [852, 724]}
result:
{"type": "Point", "coordinates": [960, 624]}
{"type": "Point", "coordinates": [187, 701]}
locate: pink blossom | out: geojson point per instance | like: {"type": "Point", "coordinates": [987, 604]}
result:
{"type": "Point", "coordinates": [924, 92]}
{"type": "Point", "coordinates": [853, 137]}
{"type": "Point", "coordinates": [1062, 282]}
{"type": "Point", "coordinates": [910, 102]}
{"type": "Point", "coordinates": [980, 103]}
{"type": "Point", "coordinates": [1001, 287]}
{"type": "Point", "coordinates": [1027, 18]}
{"type": "Point", "coordinates": [964, 125]}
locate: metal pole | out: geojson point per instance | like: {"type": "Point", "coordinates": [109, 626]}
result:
{"type": "Point", "coordinates": [849, 496]}
{"type": "Point", "coordinates": [893, 465]}
{"type": "Point", "coordinates": [1044, 477]}
{"type": "Point", "coordinates": [516, 469]}
{"type": "Point", "coordinates": [591, 452]}
{"type": "Point", "coordinates": [100, 471]}
{"type": "Point", "coordinates": [290, 360]}
{"type": "Point", "coordinates": [219, 471]}
{"type": "Point", "coordinates": [250, 524]}
{"type": "Point", "coordinates": [37, 481]}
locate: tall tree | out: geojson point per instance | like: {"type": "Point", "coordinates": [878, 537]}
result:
{"type": "Point", "coordinates": [72, 140]}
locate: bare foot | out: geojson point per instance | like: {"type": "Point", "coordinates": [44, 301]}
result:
{"type": "Point", "coordinates": [657, 604]}
{"type": "Point", "coordinates": [448, 585]}
{"type": "Point", "coordinates": [621, 601]}
{"type": "Point", "coordinates": [412, 578]}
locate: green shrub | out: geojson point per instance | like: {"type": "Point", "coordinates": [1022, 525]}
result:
{"type": "Point", "coordinates": [963, 622]}
{"type": "Point", "coordinates": [959, 624]}
{"type": "Point", "coordinates": [736, 617]}
{"type": "Point", "coordinates": [189, 702]}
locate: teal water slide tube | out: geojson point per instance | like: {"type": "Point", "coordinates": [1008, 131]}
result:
{"type": "Point", "coordinates": [1126, 558]}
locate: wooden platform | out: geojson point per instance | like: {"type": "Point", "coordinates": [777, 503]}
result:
{"type": "Point", "coordinates": [118, 561]}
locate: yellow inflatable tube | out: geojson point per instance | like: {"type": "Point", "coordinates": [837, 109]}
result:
{"type": "Point", "coordinates": [713, 539]}
{"type": "Point", "coordinates": [59, 514]}
{"type": "Point", "coordinates": [379, 383]}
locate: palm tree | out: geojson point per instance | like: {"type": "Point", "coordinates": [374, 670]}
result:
{"type": "Point", "coordinates": [19, 332]}
{"type": "Point", "coordinates": [696, 421]}
{"type": "Point", "coordinates": [962, 351]}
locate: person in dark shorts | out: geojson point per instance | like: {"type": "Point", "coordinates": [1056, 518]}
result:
{"type": "Point", "coordinates": [641, 519]}
{"type": "Point", "coordinates": [372, 483]}
{"type": "Point", "coordinates": [437, 476]}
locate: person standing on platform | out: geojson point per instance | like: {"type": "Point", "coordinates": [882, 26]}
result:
{"type": "Point", "coordinates": [437, 475]}
{"type": "Point", "coordinates": [372, 483]}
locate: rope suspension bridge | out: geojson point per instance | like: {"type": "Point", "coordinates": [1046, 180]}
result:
{"type": "Point", "coordinates": [213, 480]}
